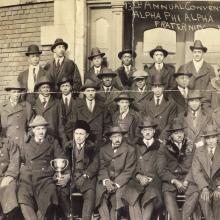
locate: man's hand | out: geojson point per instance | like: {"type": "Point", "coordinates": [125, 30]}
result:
{"type": "Point", "coordinates": [144, 180]}
{"type": "Point", "coordinates": [216, 194]}
{"type": "Point", "coordinates": [6, 180]}
{"type": "Point", "coordinates": [179, 185]}
{"type": "Point", "coordinates": [110, 186]}
{"type": "Point", "coordinates": [205, 195]}
{"type": "Point", "coordinates": [63, 180]}
{"type": "Point", "coordinates": [185, 184]}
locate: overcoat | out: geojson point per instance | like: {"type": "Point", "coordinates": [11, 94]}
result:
{"type": "Point", "coordinates": [118, 167]}
{"type": "Point", "coordinates": [90, 74]}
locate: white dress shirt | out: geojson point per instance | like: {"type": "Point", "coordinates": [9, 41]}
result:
{"type": "Point", "coordinates": [59, 59]}
{"type": "Point", "coordinates": [142, 90]}
{"type": "Point", "coordinates": [69, 96]}
{"type": "Point", "coordinates": [148, 143]}
{"type": "Point", "coordinates": [158, 66]}
{"type": "Point", "coordinates": [160, 99]}
{"type": "Point", "coordinates": [124, 114]}
{"type": "Point", "coordinates": [127, 68]}
{"type": "Point", "coordinates": [183, 91]}
{"type": "Point", "coordinates": [90, 103]}
{"type": "Point", "coordinates": [198, 65]}
{"type": "Point", "coordinates": [97, 70]}
{"type": "Point", "coordinates": [30, 82]}
{"type": "Point", "coordinates": [44, 99]}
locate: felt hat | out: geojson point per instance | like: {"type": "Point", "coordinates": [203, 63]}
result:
{"type": "Point", "coordinates": [59, 41]}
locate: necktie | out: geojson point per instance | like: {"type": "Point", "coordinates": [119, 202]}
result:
{"type": "Point", "coordinates": [44, 102]}
{"type": "Point", "coordinates": [58, 63]}
{"type": "Point", "coordinates": [157, 102]}
{"type": "Point", "coordinates": [34, 74]}
{"type": "Point", "coordinates": [211, 153]}
{"type": "Point", "coordinates": [127, 70]}
{"type": "Point", "coordinates": [66, 104]}
{"type": "Point", "coordinates": [90, 106]}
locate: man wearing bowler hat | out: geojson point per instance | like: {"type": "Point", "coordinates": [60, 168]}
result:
{"type": "Point", "coordinates": [117, 165]}
{"type": "Point", "coordinates": [201, 70]}
{"type": "Point", "coordinates": [206, 172]}
{"type": "Point", "coordinates": [124, 79]}
{"type": "Point", "coordinates": [158, 54]}
{"type": "Point", "coordinates": [37, 193]}
{"type": "Point", "coordinates": [83, 154]}
{"type": "Point", "coordinates": [143, 192]}
{"type": "Point", "coordinates": [29, 77]}
{"type": "Point", "coordinates": [61, 66]}
{"type": "Point", "coordinates": [15, 114]}
{"type": "Point", "coordinates": [174, 160]}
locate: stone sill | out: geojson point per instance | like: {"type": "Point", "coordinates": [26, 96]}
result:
{"type": "Point", "coordinates": [7, 3]}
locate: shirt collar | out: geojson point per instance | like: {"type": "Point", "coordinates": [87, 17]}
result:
{"type": "Point", "coordinates": [12, 102]}
{"type": "Point", "coordinates": [143, 89]}
{"type": "Point", "coordinates": [106, 88]}
{"type": "Point", "coordinates": [80, 146]}
{"type": "Point", "coordinates": [160, 98]}
{"type": "Point", "coordinates": [198, 63]}
{"type": "Point", "coordinates": [31, 67]}
{"type": "Point", "coordinates": [58, 58]}
{"type": "Point", "coordinates": [42, 98]}
{"type": "Point", "coordinates": [159, 65]}
{"type": "Point", "coordinates": [69, 96]}
{"type": "Point", "coordinates": [127, 67]}
{"type": "Point", "coordinates": [148, 143]}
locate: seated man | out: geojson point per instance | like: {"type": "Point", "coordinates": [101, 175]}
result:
{"type": "Point", "coordinates": [37, 193]}
{"type": "Point", "coordinates": [173, 163]}
{"type": "Point", "coordinates": [143, 191]}
{"type": "Point", "coordinates": [206, 173]}
{"type": "Point", "coordinates": [85, 165]}
{"type": "Point", "coordinates": [10, 165]}
{"type": "Point", "coordinates": [117, 165]}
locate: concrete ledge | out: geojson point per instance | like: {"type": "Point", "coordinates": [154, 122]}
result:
{"type": "Point", "coordinates": [7, 3]}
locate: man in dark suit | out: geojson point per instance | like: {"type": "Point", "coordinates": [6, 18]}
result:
{"type": "Point", "coordinates": [92, 110]}
{"type": "Point", "coordinates": [117, 165]}
{"type": "Point", "coordinates": [143, 192]}
{"type": "Point", "coordinates": [174, 160]}
{"type": "Point", "coordinates": [124, 79]}
{"type": "Point", "coordinates": [206, 173]}
{"type": "Point", "coordinates": [29, 77]}
{"type": "Point", "coordinates": [201, 70]}
{"type": "Point", "coordinates": [61, 66]}
{"type": "Point", "coordinates": [166, 71]}
{"type": "Point", "coordinates": [84, 158]}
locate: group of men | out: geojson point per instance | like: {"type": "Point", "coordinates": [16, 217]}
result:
{"type": "Point", "coordinates": [134, 139]}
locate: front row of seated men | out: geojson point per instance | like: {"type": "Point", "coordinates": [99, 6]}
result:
{"type": "Point", "coordinates": [114, 177]}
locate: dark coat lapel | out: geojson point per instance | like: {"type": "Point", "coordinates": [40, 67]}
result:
{"type": "Point", "coordinates": [216, 160]}
{"type": "Point", "coordinates": [11, 110]}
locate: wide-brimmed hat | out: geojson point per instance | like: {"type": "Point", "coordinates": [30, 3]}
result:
{"type": "Point", "coordinates": [198, 45]}
{"type": "Point", "coordinates": [123, 96]}
{"type": "Point", "coordinates": [139, 74]}
{"type": "Point", "coordinates": [194, 94]}
{"type": "Point", "coordinates": [14, 85]}
{"type": "Point", "coordinates": [80, 124]}
{"type": "Point", "coordinates": [210, 130]}
{"type": "Point", "coordinates": [157, 79]}
{"type": "Point", "coordinates": [182, 72]}
{"type": "Point", "coordinates": [64, 80]}
{"type": "Point", "coordinates": [147, 122]}
{"type": "Point", "coordinates": [158, 48]}
{"type": "Point", "coordinates": [95, 52]}
{"type": "Point", "coordinates": [42, 80]}
{"type": "Point", "coordinates": [132, 52]}
{"type": "Point", "coordinates": [115, 129]}
{"type": "Point", "coordinates": [59, 41]}
{"type": "Point", "coordinates": [106, 72]}
{"type": "Point", "coordinates": [33, 49]}
{"type": "Point", "coordinates": [90, 84]}
{"type": "Point", "coordinates": [38, 121]}
{"type": "Point", "coordinates": [176, 125]}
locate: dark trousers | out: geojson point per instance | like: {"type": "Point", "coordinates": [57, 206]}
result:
{"type": "Point", "coordinates": [88, 204]}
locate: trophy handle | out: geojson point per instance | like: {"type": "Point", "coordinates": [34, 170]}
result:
{"type": "Point", "coordinates": [51, 164]}
{"type": "Point", "coordinates": [67, 163]}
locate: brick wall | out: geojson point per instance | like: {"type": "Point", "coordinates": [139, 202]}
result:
{"type": "Point", "coordinates": [20, 27]}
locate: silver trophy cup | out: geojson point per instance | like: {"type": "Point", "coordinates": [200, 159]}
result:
{"type": "Point", "coordinates": [59, 165]}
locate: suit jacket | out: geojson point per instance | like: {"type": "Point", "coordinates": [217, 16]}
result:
{"type": "Point", "coordinates": [118, 166]}
{"type": "Point", "coordinates": [91, 164]}
{"type": "Point", "coordinates": [166, 72]}
{"type": "Point", "coordinates": [173, 163]}
{"type": "Point", "coordinates": [201, 79]}
{"type": "Point", "coordinates": [52, 114]}
{"type": "Point", "coordinates": [212, 96]}
{"type": "Point", "coordinates": [68, 69]}
{"type": "Point", "coordinates": [205, 173]}
{"type": "Point", "coordinates": [99, 120]}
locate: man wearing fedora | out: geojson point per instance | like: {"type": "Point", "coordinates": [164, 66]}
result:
{"type": "Point", "coordinates": [107, 92]}
{"type": "Point", "coordinates": [48, 106]}
{"type": "Point", "coordinates": [83, 154]}
{"type": "Point", "coordinates": [158, 54]}
{"type": "Point", "coordinates": [206, 173]}
{"type": "Point", "coordinates": [61, 66]}
{"type": "Point", "coordinates": [29, 77]}
{"type": "Point", "coordinates": [201, 70]}
{"type": "Point", "coordinates": [67, 104]}
{"type": "Point", "coordinates": [126, 117]}
{"type": "Point", "coordinates": [91, 110]}
{"type": "Point", "coordinates": [117, 165]}
{"type": "Point", "coordinates": [140, 91]}
{"type": "Point", "coordinates": [15, 114]}
{"type": "Point", "coordinates": [143, 192]}
{"type": "Point", "coordinates": [124, 79]}
{"type": "Point", "coordinates": [160, 106]}
{"type": "Point", "coordinates": [174, 160]}
{"type": "Point", "coordinates": [37, 193]}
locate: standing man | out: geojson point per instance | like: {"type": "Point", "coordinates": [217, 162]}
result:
{"type": "Point", "coordinates": [117, 165]}
{"type": "Point", "coordinates": [15, 115]}
{"type": "Point", "coordinates": [174, 160]}
{"type": "Point", "coordinates": [206, 173]}
{"type": "Point", "coordinates": [37, 194]}
{"type": "Point", "coordinates": [29, 77]}
{"type": "Point", "coordinates": [201, 70]}
{"type": "Point", "coordinates": [166, 71]}
{"type": "Point", "coordinates": [143, 192]}
{"type": "Point", "coordinates": [61, 66]}
{"type": "Point", "coordinates": [124, 79]}
{"type": "Point", "coordinates": [84, 158]}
